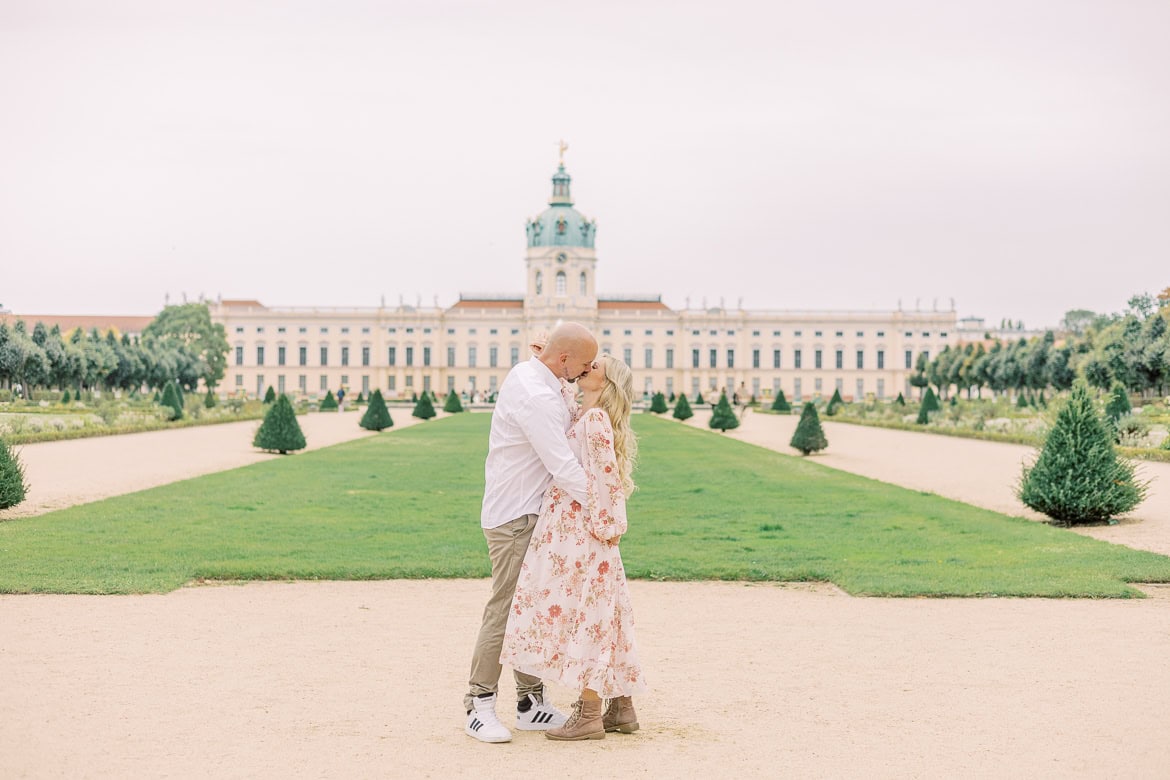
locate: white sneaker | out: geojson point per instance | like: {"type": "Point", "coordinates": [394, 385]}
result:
{"type": "Point", "coordinates": [482, 722]}
{"type": "Point", "coordinates": [540, 716]}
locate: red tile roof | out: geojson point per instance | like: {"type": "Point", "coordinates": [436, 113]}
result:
{"type": "Point", "coordinates": [71, 322]}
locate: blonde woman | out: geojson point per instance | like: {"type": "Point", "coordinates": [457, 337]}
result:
{"type": "Point", "coordinates": [571, 620]}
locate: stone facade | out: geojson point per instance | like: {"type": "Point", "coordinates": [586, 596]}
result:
{"type": "Point", "coordinates": [471, 345]}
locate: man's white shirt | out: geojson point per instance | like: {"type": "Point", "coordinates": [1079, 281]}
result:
{"type": "Point", "coordinates": [528, 448]}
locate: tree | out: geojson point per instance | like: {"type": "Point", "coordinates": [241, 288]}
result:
{"type": "Point", "coordinates": [270, 396]}
{"type": "Point", "coordinates": [921, 367]}
{"type": "Point", "coordinates": [280, 431]}
{"type": "Point", "coordinates": [781, 403]}
{"type": "Point", "coordinates": [699, 399]}
{"type": "Point", "coordinates": [682, 409]}
{"type": "Point", "coordinates": [171, 399]}
{"type": "Point", "coordinates": [424, 409]}
{"type": "Point", "coordinates": [809, 436]}
{"type": "Point", "coordinates": [210, 401]}
{"type": "Point", "coordinates": [1077, 321]}
{"type": "Point", "coordinates": [658, 404]}
{"type": "Point", "coordinates": [929, 404]}
{"type": "Point", "coordinates": [835, 403]}
{"type": "Point", "coordinates": [1078, 477]}
{"type": "Point", "coordinates": [900, 400]}
{"type": "Point", "coordinates": [453, 403]}
{"type": "Point", "coordinates": [189, 326]}
{"type": "Point", "coordinates": [723, 416]}
{"type": "Point", "coordinates": [1118, 404]}
{"type": "Point", "coordinates": [12, 485]}
{"type": "Point", "coordinates": [377, 416]}
{"type": "Point", "coordinates": [65, 397]}
{"type": "Point", "coordinates": [328, 403]}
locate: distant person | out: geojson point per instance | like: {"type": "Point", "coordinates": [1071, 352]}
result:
{"type": "Point", "coordinates": [527, 449]}
{"type": "Point", "coordinates": [341, 400]}
{"type": "Point", "coordinates": [571, 619]}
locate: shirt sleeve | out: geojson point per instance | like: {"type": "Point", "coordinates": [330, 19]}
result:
{"type": "Point", "coordinates": [543, 423]}
{"type": "Point", "coordinates": [605, 503]}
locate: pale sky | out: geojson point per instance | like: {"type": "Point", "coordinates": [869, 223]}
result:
{"type": "Point", "coordinates": [842, 154]}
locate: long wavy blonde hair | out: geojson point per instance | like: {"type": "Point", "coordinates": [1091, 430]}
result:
{"type": "Point", "coordinates": [617, 399]}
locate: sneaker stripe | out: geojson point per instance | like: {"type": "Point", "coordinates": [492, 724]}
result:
{"type": "Point", "coordinates": [476, 725]}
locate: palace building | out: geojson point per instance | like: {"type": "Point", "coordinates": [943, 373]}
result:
{"type": "Point", "coordinates": [471, 344]}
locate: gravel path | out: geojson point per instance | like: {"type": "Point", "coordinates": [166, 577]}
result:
{"type": "Point", "coordinates": [364, 679]}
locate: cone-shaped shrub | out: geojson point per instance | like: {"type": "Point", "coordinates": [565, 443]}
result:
{"type": "Point", "coordinates": [65, 398]}
{"type": "Point", "coordinates": [1021, 401]}
{"type": "Point", "coordinates": [157, 397]}
{"type": "Point", "coordinates": [682, 409]}
{"type": "Point", "coordinates": [1118, 403]}
{"type": "Point", "coordinates": [171, 398]}
{"type": "Point", "coordinates": [723, 417]}
{"type": "Point", "coordinates": [900, 400]}
{"type": "Point", "coordinates": [209, 400]}
{"type": "Point", "coordinates": [1078, 477]}
{"type": "Point", "coordinates": [414, 397]}
{"type": "Point", "coordinates": [12, 484]}
{"type": "Point", "coordinates": [781, 403]}
{"type": "Point", "coordinates": [835, 403]}
{"type": "Point", "coordinates": [361, 399]}
{"type": "Point", "coordinates": [954, 400]}
{"type": "Point", "coordinates": [377, 416]}
{"type": "Point", "coordinates": [280, 430]}
{"type": "Point", "coordinates": [328, 403]}
{"type": "Point", "coordinates": [658, 404]}
{"type": "Point", "coordinates": [270, 396]}
{"type": "Point", "coordinates": [424, 409]}
{"type": "Point", "coordinates": [699, 399]}
{"type": "Point", "coordinates": [809, 436]}
{"type": "Point", "coordinates": [453, 404]}
{"type": "Point", "coordinates": [671, 399]}
{"type": "Point", "coordinates": [930, 400]}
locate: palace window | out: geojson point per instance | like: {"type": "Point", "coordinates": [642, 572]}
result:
{"type": "Point", "coordinates": [881, 359]}
{"type": "Point", "coordinates": [450, 357]}
{"type": "Point", "coordinates": [365, 356]}
{"type": "Point", "coordinates": [324, 356]}
{"type": "Point", "coordinates": [259, 355]}
{"type": "Point", "coordinates": [515, 356]}
{"type": "Point", "coordinates": [280, 354]}
{"type": "Point", "coordinates": [817, 359]}
{"type": "Point", "coordinates": [239, 356]}
{"type": "Point", "coordinates": [427, 356]}
{"type": "Point", "coordinates": [669, 357]}
{"type": "Point", "coordinates": [694, 358]}
{"type": "Point", "coordinates": [649, 357]}
{"type": "Point", "coordinates": [795, 358]}
{"type": "Point", "coordinates": [840, 358]}
{"type": "Point", "coordinates": [861, 358]}
{"type": "Point", "coordinates": [627, 356]}
{"type": "Point", "coordinates": [392, 356]}
{"type": "Point", "coordinates": [775, 358]}
{"type": "Point", "coordinates": [561, 284]}
{"type": "Point", "coordinates": [471, 357]}
{"type": "Point", "coordinates": [409, 356]}
{"type": "Point", "coordinates": [539, 283]}
{"type": "Point", "coordinates": [584, 284]}
{"type": "Point", "coordinates": [731, 358]}
{"type": "Point", "coordinates": [303, 357]}
{"type": "Point", "coordinates": [714, 357]}
{"type": "Point", "coordinates": [493, 357]}
{"type": "Point", "coordinates": [345, 356]}
{"type": "Point", "coordinates": [755, 358]}
{"type": "Point", "coordinates": [909, 359]}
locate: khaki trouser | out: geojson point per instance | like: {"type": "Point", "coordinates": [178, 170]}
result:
{"type": "Point", "coordinates": [507, 545]}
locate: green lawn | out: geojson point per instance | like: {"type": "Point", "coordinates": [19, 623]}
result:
{"type": "Point", "coordinates": [405, 504]}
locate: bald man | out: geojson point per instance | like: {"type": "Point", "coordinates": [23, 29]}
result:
{"type": "Point", "coordinates": [528, 449]}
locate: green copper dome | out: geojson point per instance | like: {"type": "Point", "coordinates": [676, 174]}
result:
{"type": "Point", "coordinates": [561, 224]}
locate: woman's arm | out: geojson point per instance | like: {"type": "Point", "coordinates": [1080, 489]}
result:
{"type": "Point", "coordinates": [605, 508]}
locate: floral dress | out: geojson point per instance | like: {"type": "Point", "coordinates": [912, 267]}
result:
{"type": "Point", "coordinates": [571, 621]}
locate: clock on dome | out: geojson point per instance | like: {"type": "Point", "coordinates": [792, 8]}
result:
{"type": "Point", "coordinates": [562, 257]}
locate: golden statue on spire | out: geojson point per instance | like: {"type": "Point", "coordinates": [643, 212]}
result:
{"type": "Point", "coordinates": [564, 147]}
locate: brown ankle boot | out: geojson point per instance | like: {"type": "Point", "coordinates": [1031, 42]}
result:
{"type": "Point", "coordinates": [584, 723]}
{"type": "Point", "coordinates": [620, 716]}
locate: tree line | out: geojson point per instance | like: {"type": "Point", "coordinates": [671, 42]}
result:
{"type": "Point", "coordinates": [1131, 348]}
{"type": "Point", "coordinates": [181, 344]}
